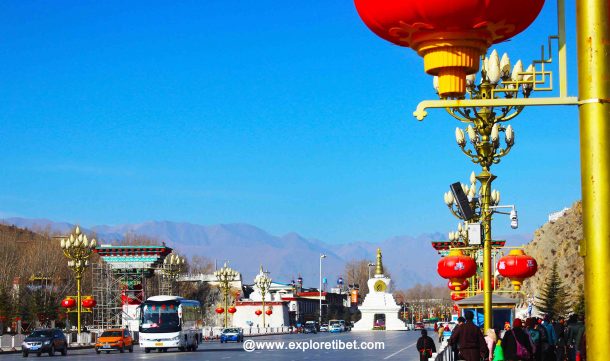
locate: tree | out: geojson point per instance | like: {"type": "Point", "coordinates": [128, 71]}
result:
{"type": "Point", "coordinates": [579, 305]}
{"type": "Point", "coordinates": [553, 298]}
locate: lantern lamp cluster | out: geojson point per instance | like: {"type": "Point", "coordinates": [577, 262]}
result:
{"type": "Point", "coordinates": [263, 282]}
{"type": "Point", "coordinates": [225, 276]}
{"type": "Point", "coordinates": [78, 249]}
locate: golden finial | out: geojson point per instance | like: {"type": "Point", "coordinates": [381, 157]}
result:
{"type": "Point", "coordinates": [379, 264]}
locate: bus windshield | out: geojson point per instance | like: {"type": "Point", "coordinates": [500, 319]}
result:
{"type": "Point", "coordinates": [159, 317]}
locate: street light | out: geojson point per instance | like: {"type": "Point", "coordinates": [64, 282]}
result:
{"type": "Point", "coordinates": [263, 282]}
{"type": "Point", "coordinates": [173, 266]}
{"type": "Point", "coordinates": [77, 248]}
{"type": "Point", "coordinates": [370, 265]}
{"type": "Point", "coordinates": [320, 317]}
{"type": "Point", "coordinates": [225, 276]}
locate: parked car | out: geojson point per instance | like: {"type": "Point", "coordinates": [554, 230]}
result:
{"type": "Point", "coordinates": [313, 323]}
{"type": "Point", "coordinates": [45, 340]}
{"type": "Point", "coordinates": [310, 328]}
{"type": "Point", "coordinates": [117, 339]}
{"type": "Point", "coordinates": [324, 327]}
{"type": "Point", "coordinates": [232, 334]}
{"type": "Point", "coordinates": [420, 326]}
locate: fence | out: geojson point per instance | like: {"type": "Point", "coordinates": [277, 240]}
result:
{"type": "Point", "coordinates": [445, 353]}
{"type": "Point", "coordinates": [13, 342]}
{"type": "Point", "coordinates": [210, 333]}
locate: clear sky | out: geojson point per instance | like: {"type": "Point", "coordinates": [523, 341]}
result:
{"type": "Point", "coordinates": [288, 115]}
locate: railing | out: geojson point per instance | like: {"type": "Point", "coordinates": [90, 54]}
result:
{"type": "Point", "coordinates": [13, 342]}
{"type": "Point", "coordinates": [445, 353]}
{"type": "Point", "coordinates": [210, 333]}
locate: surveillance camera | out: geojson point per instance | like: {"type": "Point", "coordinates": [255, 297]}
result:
{"type": "Point", "coordinates": [514, 221]}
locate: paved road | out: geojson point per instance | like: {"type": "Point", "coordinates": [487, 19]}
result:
{"type": "Point", "coordinates": [397, 346]}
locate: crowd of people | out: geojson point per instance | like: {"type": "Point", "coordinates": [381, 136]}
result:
{"type": "Point", "coordinates": [532, 339]}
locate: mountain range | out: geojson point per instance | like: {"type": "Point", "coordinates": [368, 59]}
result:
{"type": "Point", "coordinates": [409, 259]}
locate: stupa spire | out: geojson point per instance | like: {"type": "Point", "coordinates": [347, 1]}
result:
{"type": "Point", "coordinates": [379, 264]}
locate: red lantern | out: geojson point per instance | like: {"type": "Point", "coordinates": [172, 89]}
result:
{"type": "Point", "coordinates": [456, 267]}
{"type": "Point", "coordinates": [68, 302]}
{"type": "Point", "coordinates": [269, 312]}
{"type": "Point", "coordinates": [494, 284]}
{"type": "Point", "coordinates": [89, 302]}
{"type": "Point", "coordinates": [220, 310]}
{"type": "Point", "coordinates": [463, 286]}
{"type": "Point", "coordinates": [450, 35]}
{"type": "Point", "coordinates": [456, 296]}
{"type": "Point", "coordinates": [232, 309]}
{"type": "Point", "coordinates": [258, 312]}
{"type": "Point", "coordinates": [517, 266]}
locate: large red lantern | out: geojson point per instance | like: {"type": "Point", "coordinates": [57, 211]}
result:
{"type": "Point", "coordinates": [88, 302]}
{"type": "Point", "coordinates": [258, 312]}
{"type": "Point", "coordinates": [465, 284]}
{"type": "Point", "coordinates": [232, 310]}
{"type": "Point", "coordinates": [457, 296]}
{"type": "Point", "coordinates": [456, 267]}
{"type": "Point", "coordinates": [269, 312]}
{"type": "Point", "coordinates": [68, 302]}
{"type": "Point", "coordinates": [450, 35]}
{"type": "Point", "coordinates": [220, 310]}
{"type": "Point", "coordinates": [517, 266]}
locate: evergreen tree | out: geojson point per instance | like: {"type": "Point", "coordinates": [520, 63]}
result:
{"type": "Point", "coordinates": [553, 298]}
{"type": "Point", "coordinates": [579, 306]}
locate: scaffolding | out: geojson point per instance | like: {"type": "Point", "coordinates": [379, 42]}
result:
{"type": "Point", "coordinates": [112, 288]}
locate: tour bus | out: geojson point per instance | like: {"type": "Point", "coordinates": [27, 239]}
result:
{"type": "Point", "coordinates": [170, 322]}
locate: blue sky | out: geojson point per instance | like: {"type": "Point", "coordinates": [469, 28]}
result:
{"type": "Point", "coordinates": [291, 116]}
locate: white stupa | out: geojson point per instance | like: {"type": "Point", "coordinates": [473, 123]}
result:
{"type": "Point", "coordinates": [379, 303]}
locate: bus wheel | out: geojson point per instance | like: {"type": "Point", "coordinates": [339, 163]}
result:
{"type": "Point", "coordinates": [146, 350]}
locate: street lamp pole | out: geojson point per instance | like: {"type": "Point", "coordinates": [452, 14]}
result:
{"type": "Point", "coordinates": [320, 318]}
{"type": "Point", "coordinates": [173, 266]}
{"type": "Point", "coordinates": [77, 248]}
{"type": "Point", "coordinates": [370, 265]}
{"type": "Point", "coordinates": [593, 32]}
{"type": "Point", "coordinates": [263, 281]}
{"type": "Point", "coordinates": [225, 276]}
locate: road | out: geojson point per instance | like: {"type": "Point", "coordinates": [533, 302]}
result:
{"type": "Point", "coordinates": [396, 346]}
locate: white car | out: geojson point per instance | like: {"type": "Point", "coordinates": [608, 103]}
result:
{"type": "Point", "coordinates": [324, 328]}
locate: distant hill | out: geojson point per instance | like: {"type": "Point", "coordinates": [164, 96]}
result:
{"type": "Point", "coordinates": [558, 241]}
{"type": "Point", "coordinates": [410, 259]}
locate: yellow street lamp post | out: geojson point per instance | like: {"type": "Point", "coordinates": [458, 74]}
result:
{"type": "Point", "coordinates": [485, 125]}
{"type": "Point", "coordinates": [263, 282]}
{"type": "Point", "coordinates": [593, 38]}
{"type": "Point", "coordinates": [225, 276]}
{"type": "Point", "coordinates": [173, 265]}
{"type": "Point", "coordinates": [77, 248]}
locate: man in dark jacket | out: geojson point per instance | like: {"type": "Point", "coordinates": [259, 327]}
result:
{"type": "Point", "coordinates": [510, 339]}
{"type": "Point", "coordinates": [454, 348]}
{"type": "Point", "coordinates": [425, 346]}
{"type": "Point", "coordinates": [470, 340]}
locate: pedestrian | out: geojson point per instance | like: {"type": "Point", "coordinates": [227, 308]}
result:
{"type": "Point", "coordinates": [441, 329]}
{"type": "Point", "coordinates": [468, 337]}
{"type": "Point", "coordinates": [560, 348]}
{"type": "Point", "coordinates": [548, 348]}
{"type": "Point", "coordinates": [490, 340]}
{"type": "Point", "coordinates": [531, 327]}
{"type": "Point", "coordinates": [516, 343]}
{"type": "Point", "coordinates": [425, 346]}
{"type": "Point", "coordinates": [573, 334]}
{"type": "Point", "coordinates": [454, 348]}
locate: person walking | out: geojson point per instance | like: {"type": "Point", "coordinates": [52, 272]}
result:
{"type": "Point", "coordinates": [454, 348]}
{"type": "Point", "coordinates": [470, 341]}
{"type": "Point", "coordinates": [515, 341]}
{"type": "Point", "coordinates": [534, 333]}
{"type": "Point", "coordinates": [490, 340]}
{"type": "Point", "coordinates": [425, 346]}
{"type": "Point", "coordinates": [440, 331]}
{"type": "Point", "coordinates": [560, 349]}
{"type": "Point", "coordinates": [548, 352]}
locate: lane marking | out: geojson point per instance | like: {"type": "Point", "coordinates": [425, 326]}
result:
{"type": "Point", "coordinates": [399, 351]}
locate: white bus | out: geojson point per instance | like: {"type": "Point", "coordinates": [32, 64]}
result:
{"type": "Point", "coordinates": [170, 322]}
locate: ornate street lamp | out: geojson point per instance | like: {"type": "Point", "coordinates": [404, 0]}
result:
{"type": "Point", "coordinates": [77, 248]}
{"type": "Point", "coordinates": [263, 282]}
{"type": "Point", "coordinates": [173, 265]}
{"type": "Point", "coordinates": [225, 276]}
